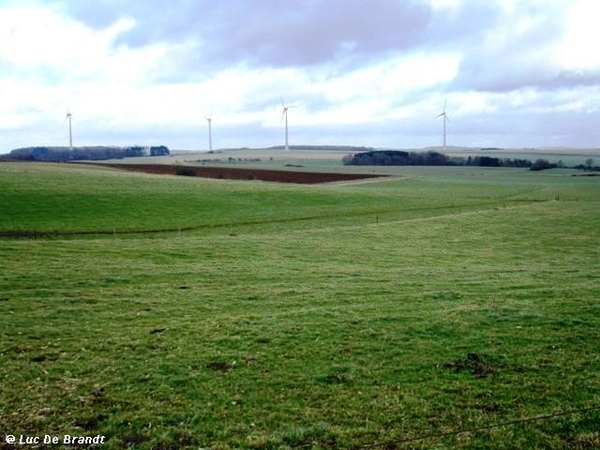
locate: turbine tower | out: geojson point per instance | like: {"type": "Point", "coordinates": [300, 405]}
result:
{"type": "Point", "coordinates": [285, 113]}
{"type": "Point", "coordinates": [69, 116]}
{"type": "Point", "coordinates": [209, 120]}
{"type": "Point", "coordinates": [444, 118]}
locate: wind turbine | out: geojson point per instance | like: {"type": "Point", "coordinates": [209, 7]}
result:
{"type": "Point", "coordinates": [209, 120]}
{"type": "Point", "coordinates": [444, 118]}
{"type": "Point", "coordinates": [285, 113]}
{"type": "Point", "coordinates": [69, 116]}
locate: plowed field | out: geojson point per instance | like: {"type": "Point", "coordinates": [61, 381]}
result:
{"type": "Point", "coordinates": [282, 176]}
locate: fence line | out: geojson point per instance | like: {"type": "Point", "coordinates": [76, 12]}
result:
{"type": "Point", "coordinates": [482, 428]}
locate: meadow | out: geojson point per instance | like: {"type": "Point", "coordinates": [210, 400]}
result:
{"type": "Point", "coordinates": [444, 308]}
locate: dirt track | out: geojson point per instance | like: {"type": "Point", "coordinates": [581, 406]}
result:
{"type": "Point", "coordinates": [281, 176]}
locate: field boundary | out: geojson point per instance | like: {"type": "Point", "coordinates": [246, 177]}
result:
{"type": "Point", "coordinates": [461, 209]}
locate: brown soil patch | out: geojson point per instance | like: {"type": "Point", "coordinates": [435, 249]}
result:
{"type": "Point", "coordinates": [230, 173]}
{"type": "Point", "coordinates": [220, 366]}
{"type": "Point", "coordinates": [475, 365]}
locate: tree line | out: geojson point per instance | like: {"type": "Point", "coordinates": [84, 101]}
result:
{"type": "Point", "coordinates": [430, 158]}
{"type": "Point", "coordinates": [433, 158]}
{"type": "Point", "coordinates": [95, 153]}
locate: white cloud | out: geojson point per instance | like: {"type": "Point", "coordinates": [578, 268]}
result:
{"type": "Point", "coordinates": [579, 48]}
{"type": "Point", "coordinates": [474, 103]}
{"type": "Point", "coordinates": [445, 5]}
{"type": "Point", "coordinates": [43, 43]}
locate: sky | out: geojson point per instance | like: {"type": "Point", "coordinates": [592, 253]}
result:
{"type": "Point", "coordinates": [512, 73]}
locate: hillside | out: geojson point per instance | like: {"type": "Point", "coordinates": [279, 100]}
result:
{"type": "Point", "coordinates": [447, 307]}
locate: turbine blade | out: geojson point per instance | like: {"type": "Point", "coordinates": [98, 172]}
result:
{"type": "Point", "coordinates": [283, 113]}
{"type": "Point", "coordinates": [445, 103]}
{"type": "Point", "coordinates": [439, 115]}
{"type": "Point", "coordinates": [282, 104]}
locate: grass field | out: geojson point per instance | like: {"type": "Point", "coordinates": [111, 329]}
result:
{"type": "Point", "coordinates": [447, 308]}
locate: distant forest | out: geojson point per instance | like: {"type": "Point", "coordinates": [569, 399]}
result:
{"type": "Point", "coordinates": [95, 153]}
{"type": "Point", "coordinates": [432, 158]}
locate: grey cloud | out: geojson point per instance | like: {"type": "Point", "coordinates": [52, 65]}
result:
{"type": "Point", "coordinates": [313, 33]}
{"type": "Point", "coordinates": [266, 32]}
{"type": "Point", "coordinates": [458, 30]}
{"type": "Point", "coordinates": [527, 70]}
{"type": "Point", "coordinates": [572, 78]}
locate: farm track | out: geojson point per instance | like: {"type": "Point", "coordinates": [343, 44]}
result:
{"type": "Point", "coordinates": [39, 234]}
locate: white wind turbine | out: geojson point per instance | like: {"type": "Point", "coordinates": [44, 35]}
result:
{"type": "Point", "coordinates": [285, 113]}
{"type": "Point", "coordinates": [69, 117]}
{"type": "Point", "coordinates": [444, 118]}
{"type": "Point", "coordinates": [209, 120]}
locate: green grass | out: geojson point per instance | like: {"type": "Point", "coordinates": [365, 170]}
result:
{"type": "Point", "coordinates": [284, 316]}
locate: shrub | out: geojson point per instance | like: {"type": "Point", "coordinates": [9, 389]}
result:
{"type": "Point", "coordinates": [542, 164]}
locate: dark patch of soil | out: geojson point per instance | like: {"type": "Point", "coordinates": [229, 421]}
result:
{"type": "Point", "coordinates": [135, 439]}
{"type": "Point", "coordinates": [336, 378]}
{"type": "Point", "coordinates": [90, 423]}
{"type": "Point", "coordinates": [475, 364]}
{"type": "Point", "coordinates": [490, 408]}
{"type": "Point", "coordinates": [231, 173]}
{"type": "Point", "coordinates": [220, 366]}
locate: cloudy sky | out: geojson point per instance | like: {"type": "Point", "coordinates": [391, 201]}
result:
{"type": "Point", "coordinates": [514, 73]}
